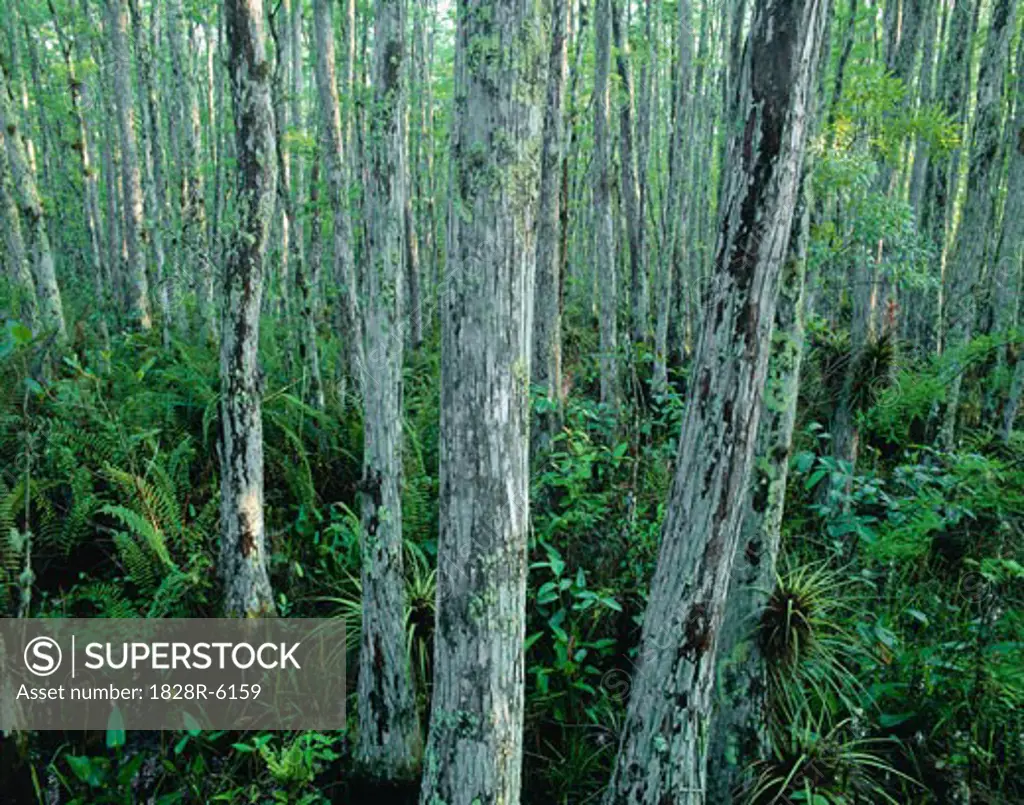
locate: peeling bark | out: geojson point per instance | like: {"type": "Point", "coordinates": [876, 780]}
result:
{"type": "Point", "coordinates": [32, 217]}
{"type": "Point", "coordinates": [663, 752]}
{"type": "Point", "coordinates": [389, 738]}
{"type": "Point", "coordinates": [243, 557]}
{"type": "Point", "coordinates": [334, 150]}
{"type": "Point", "coordinates": [967, 263]}
{"type": "Point", "coordinates": [137, 282]}
{"type": "Point", "coordinates": [474, 753]}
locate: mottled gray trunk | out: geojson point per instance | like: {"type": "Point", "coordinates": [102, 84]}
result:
{"type": "Point", "coordinates": [967, 261]}
{"type": "Point", "coordinates": [630, 189]}
{"type": "Point", "coordinates": [676, 204]}
{"type": "Point", "coordinates": [953, 82]}
{"type": "Point", "coordinates": [1013, 403]}
{"type": "Point", "coordinates": [32, 218]}
{"type": "Point", "coordinates": [663, 753]}
{"type": "Point", "coordinates": [90, 197]}
{"type": "Point", "coordinates": [154, 196]}
{"type": "Point", "coordinates": [547, 322]}
{"type": "Point", "coordinates": [604, 226]}
{"type": "Point", "coordinates": [1003, 296]}
{"type": "Point", "coordinates": [16, 261]}
{"type": "Point", "coordinates": [334, 147]}
{"type": "Point", "coordinates": [740, 730]}
{"type": "Point", "coordinates": [137, 282]}
{"type": "Point", "coordinates": [389, 737]}
{"type": "Point", "coordinates": [412, 277]}
{"type": "Point", "coordinates": [192, 256]}
{"type": "Point", "coordinates": [474, 754]}
{"type": "Point", "coordinates": [243, 556]}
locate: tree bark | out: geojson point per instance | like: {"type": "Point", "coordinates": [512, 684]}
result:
{"type": "Point", "coordinates": [968, 259]}
{"type": "Point", "coordinates": [243, 558]}
{"type": "Point", "coordinates": [389, 738]}
{"type": "Point", "coordinates": [547, 323]}
{"type": "Point", "coordinates": [33, 217]}
{"type": "Point", "coordinates": [676, 204]}
{"type": "Point", "coordinates": [16, 259]}
{"type": "Point", "coordinates": [604, 227]}
{"type": "Point", "coordinates": [192, 250]}
{"type": "Point", "coordinates": [740, 731]}
{"type": "Point", "coordinates": [630, 190]}
{"type": "Point", "coordinates": [474, 754]}
{"type": "Point", "coordinates": [334, 148]}
{"type": "Point", "coordinates": [131, 182]}
{"type": "Point", "coordinates": [663, 751]}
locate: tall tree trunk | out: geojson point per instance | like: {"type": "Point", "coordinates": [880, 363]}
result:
{"type": "Point", "coordinates": [243, 557]}
{"type": "Point", "coordinates": [1003, 294]}
{"type": "Point", "coordinates": [90, 196]}
{"type": "Point", "coordinates": [131, 181]}
{"type": "Point", "coordinates": [547, 323]}
{"type": "Point", "coordinates": [154, 195]}
{"type": "Point", "coordinates": [953, 81]}
{"type": "Point", "coordinates": [676, 207]}
{"type": "Point", "coordinates": [604, 229]}
{"type": "Point", "coordinates": [474, 753]}
{"type": "Point", "coordinates": [630, 190]}
{"type": "Point", "coordinates": [334, 147]}
{"type": "Point", "coordinates": [663, 753]}
{"type": "Point", "coordinates": [740, 730]}
{"type": "Point", "coordinates": [16, 260]}
{"type": "Point", "coordinates": [389, 737]}
{"type": "Point", "coordinates": [968, 259]}
{"type": "Point", "coordinates": [32, 217]}
{"type": "Point", "coordinates": [192, 250]}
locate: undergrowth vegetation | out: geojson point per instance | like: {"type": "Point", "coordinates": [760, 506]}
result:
{"type": "Point", "coordinates": [895, 632]}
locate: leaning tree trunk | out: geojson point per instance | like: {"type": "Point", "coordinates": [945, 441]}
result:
{"type": "Point", "coordinates": [740, 731]}
{"type": "Point", "coordinates": [474, 753]}
{"type": "Point", "coordinates": [663, 752]}
{"type": "Point", "coordinates": [968, 259]}
{"type": "Point", "coordinates": [547, 324]}
{"type": "Point", "coordinates": [243, 556]}
{"type": "Point", "coordinates": [33, 218]}
{"type": "Point", "coordinates": [389, 736]}
{"type": "Point", "coordinates": [604, 226]}
{"type": "Point", "coordinates": [137, 281]}
{"type": "Point", "coordinates": [334, 151]}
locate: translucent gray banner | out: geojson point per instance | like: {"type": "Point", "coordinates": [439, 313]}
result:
{"type": "Point", "coordinates": [217, 673]}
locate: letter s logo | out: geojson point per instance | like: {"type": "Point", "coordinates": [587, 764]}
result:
{"type": "Point", "coordinates": [43, 656]}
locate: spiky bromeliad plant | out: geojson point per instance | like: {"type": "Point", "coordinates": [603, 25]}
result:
{"type": "Point", "coordinates": [817, 754]}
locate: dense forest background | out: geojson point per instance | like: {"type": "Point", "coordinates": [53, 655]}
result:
{"type": "Point", "coordinates": [638, 378]}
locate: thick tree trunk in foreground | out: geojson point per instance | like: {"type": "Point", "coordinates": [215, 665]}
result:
{"type": "Point", "coordinates": [474, 753]}
{"type": "Point", "coordinates": [740, 730]}
{"type": "Point", "coordinates": [663, 753]}
{"type": "Point", "coordinates": [131, 181]}
{"type": "Point", "coordinates": [547, 324]}
{"type": "Point", "coordinates": [604, 226]}
{"type": "Point", "coordinates": [243, 558]}
{"type": "Point", "coordinates": [33, 219]}
{"type": "Point", "coordinates": [968, 259]}
{"type": "Point", "coordinates": [334, 147]}
{"type": "Point", "coordinates": [389, 736]}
